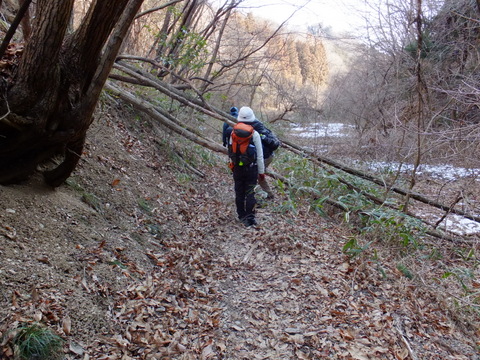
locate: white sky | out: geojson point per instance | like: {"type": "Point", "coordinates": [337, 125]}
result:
{"type": "Point", "coordinates": [341, 15]}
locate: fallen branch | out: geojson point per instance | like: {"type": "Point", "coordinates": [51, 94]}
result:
{"type": "Point", "coordinates": [312, 156]}
{"type": "Point", "coordinates": [404, 339]}
{"type": "Point", "coordinates": [188, 166]}
{"type": "Point", "coordinates": [250, 252]}
{"type": "Point", "coordinates": [163, 119]}
{"type": "Point", "coordinates": [170, 91]}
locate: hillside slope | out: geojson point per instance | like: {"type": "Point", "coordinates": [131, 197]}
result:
{"type": "Point", "coordinates": [145, 259]}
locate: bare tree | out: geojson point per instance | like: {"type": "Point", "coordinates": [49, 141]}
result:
{"type": "Point", "coordinates": [421, 99]}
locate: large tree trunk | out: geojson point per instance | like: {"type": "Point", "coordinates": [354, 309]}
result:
{"type": "Point", "coordinates": [49, 100]}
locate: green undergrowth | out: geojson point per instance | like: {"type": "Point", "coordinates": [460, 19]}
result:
{"type": "Point", "coordinates": [35, 341]}
{"type": "Point", "coordinates": [380, 234]}
{"type": "Point", "coordinates": [323, 187]}
{"type": "Point", "coordinates": [87, 197]}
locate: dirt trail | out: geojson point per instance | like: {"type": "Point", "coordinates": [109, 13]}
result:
{"type": "Point", "coordinates": [288, 292]}
{"type": "Point", "coordinates": [150, 266]}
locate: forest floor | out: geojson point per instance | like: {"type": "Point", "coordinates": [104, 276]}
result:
{"type": "Point", "coordinates": [139, 257]}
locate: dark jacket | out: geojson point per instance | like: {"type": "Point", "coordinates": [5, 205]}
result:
{"type": "Point", "coordinates": [227, 131]}
{"type": "Point", "coordinates": [262, 130]}
{"type": "Point", "coordinates": [268, 138]}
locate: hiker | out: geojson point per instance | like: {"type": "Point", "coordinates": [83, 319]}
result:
{"type": "Point", "coordinates": [270, 143]}
{"type": "Point", "coordinates": [227, 129]}
{"type": "Point", "coordinates": [246, 162]}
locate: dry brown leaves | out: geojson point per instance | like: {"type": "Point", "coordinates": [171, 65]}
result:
{"type": "Point", "coordinates": [202, 286]}
{"type": "Point", "coordinates": [10, 59]}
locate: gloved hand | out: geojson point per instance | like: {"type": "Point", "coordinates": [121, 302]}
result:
{"type": "Point", "coordinates": [261, 177]}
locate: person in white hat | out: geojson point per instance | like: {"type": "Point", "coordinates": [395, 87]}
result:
{"type": "Point", "coordinates": [269, 143]}
{"type": "Point", "coordinates": [246, 162]}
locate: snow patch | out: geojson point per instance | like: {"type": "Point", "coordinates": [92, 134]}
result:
{"type": "Point", "coordinates": [455, 224]}
{"type": "Point", "coordinates": [444, 172]}
{"type": "Point", "coordinates": [459, 225]}
{"type": "Point", "coordinates": [321, 129]}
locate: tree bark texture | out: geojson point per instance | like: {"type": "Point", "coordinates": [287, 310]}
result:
{"type": "Point", "coordinates": [46, 105]}
{"type": "Point", "coordinates": [26, 28]}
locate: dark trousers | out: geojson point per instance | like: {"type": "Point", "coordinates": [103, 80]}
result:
{"type": "Point", "coordinates": [245, 178]}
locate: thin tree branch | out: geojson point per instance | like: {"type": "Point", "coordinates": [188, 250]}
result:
{"type": "Point", "coordinates": [149, 11]}
{"type": "Point", "coordinates": [13, 28]}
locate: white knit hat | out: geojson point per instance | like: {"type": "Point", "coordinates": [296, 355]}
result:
{"type": "Point", "coordinates": [246, 114]}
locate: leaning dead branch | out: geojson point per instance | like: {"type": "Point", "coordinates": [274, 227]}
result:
{"type": "Point", "coordinates": [311, 155]}
{"type": "Point", "coordinates": [163, 118]}
{"type": "Point", "coordinates": [149, 81]}
{"type": "Point", "coordinates": [314, 193]}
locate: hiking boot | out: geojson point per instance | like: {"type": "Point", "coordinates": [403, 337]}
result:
{"type": "Point", "coordinates": [248, 220]}
{"type": "Point", "coordinates": [245, 221]}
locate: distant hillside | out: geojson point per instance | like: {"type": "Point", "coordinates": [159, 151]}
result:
{"type": "Point", "coordinates": [340, 54]}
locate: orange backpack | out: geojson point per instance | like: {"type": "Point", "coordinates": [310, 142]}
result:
{"type": "Point", "coordinates": [241, 150]}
